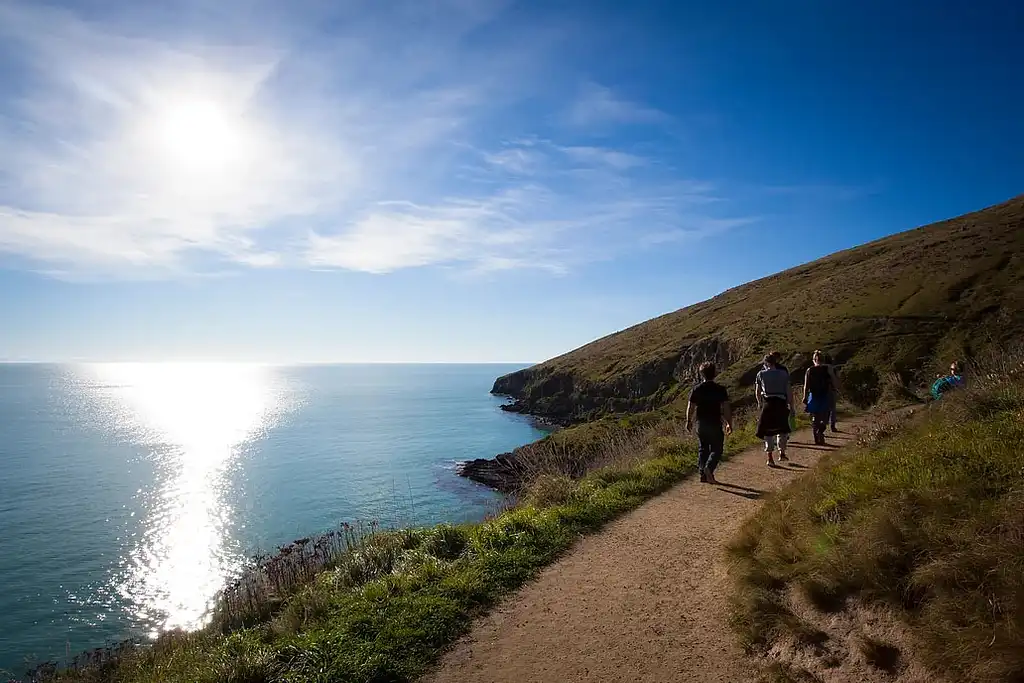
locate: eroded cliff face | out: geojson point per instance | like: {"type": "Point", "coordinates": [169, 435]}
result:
{"type": "Point", "coordinates": [563, 397]}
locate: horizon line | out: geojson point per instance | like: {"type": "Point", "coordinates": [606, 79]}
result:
{"type": "Point", "coordinates": [4, 361]}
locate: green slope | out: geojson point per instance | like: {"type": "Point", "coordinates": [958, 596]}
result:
{"type": "Point", "coordinates": [905, 304]}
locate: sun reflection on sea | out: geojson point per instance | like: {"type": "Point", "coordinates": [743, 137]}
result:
{"type": "Point", "coordinates": [193, 419]}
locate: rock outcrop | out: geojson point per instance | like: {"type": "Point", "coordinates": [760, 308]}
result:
{"type": "Point", "coordinates": [564, 399]}
{"type": "Point", "coordinates": [500, 472]}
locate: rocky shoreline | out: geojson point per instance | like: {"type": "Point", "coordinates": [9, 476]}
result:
{"type": "Point", "coordinates": [543, 422]}
{"type": "Point", "coordinates": [500, 473]}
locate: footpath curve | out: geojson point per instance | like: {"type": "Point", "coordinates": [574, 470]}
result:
{"type": "Point", "coordinates": [646, 599]}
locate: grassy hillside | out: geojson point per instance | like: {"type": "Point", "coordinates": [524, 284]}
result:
{"type": "Point", "coordinates": [907, 553]}
{"type": "Point", "coordinates": [904, 304]}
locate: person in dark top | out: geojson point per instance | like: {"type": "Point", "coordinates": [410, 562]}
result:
{"type": "Point", "coordinates": [817, 392]}
{"type": "Point", "coordinates": [709, 403]}
{"type": "Point", "coordinates": [833, 394]}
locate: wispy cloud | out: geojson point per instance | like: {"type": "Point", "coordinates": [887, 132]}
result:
{"type": "Point", "coordinates": [598, 105]}
{"type": "Point", "coordinates": [609, 157]}
{"type": "Point", "coordinates": [370, 148]}
{"type": "Point", "coordinates": [555, 208]}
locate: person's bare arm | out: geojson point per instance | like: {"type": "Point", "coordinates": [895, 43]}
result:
{"type": "Point", "coordinates": [690, 410]}
{"type": "Point", "coordinates": [807, 379]}
{"type": "Point", "coordinates": [727, 416]}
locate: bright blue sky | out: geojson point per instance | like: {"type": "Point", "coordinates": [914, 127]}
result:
{"type": "Point", "coordinates": [465, 180]}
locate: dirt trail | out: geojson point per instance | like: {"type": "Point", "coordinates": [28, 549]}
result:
{"type": "Point", "coordinates": [644, 600]}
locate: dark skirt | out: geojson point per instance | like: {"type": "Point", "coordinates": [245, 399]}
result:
{"type": "Point", "coordinates": [774, 418]}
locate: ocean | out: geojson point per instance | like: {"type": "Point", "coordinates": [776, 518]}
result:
{"type": "Point", "coordinates": [129, 493]}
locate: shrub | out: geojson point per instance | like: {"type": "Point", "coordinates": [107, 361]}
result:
{"type": "Point", "coordinates": [550, 489]}
{"type": "Point", "coordinates": [861, 385]}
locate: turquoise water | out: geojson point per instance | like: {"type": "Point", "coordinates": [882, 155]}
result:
{"type": "Point", "coordinates": [131, 491]}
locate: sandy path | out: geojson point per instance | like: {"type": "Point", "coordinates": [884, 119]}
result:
{"type": "Point", "coordinates": [644, 600]}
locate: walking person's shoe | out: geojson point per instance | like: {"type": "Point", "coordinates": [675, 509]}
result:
{"type": "Point", "coordinates": [771, 460]}
{"type": "Point", "coordinates": [703, 477]}
{"type": "Point", "coordinates": [835, 430]}
{"type": "Point", "coordinates": [783, 456]}
{"type": "Point", "coordinates": [710, 478]}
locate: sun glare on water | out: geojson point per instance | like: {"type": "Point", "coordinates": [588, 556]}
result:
{"type": "Point", "coordinates": [192, 419]}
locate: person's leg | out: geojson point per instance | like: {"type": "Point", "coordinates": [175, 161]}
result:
{"type": "Point", "coordinates": [703, 451]}
{"type": "Point", "coordinates": [769, 419]}
{"type": "Point", "coordinates": [762, 431]}
{"type": "Point", "coordinates": [820, 421]}
{"type": "Point", "coordinates": [716, 444]}
{"type": "Point", "coordinates": [783, 442]}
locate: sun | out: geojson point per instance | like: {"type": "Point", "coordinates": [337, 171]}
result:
{"type": "Point", "coordinates": [196, 134]}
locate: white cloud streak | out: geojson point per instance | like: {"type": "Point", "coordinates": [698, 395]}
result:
{"type": "Point", "coordinates": [337, 153]}
{"type": "Point", "coordinates": [598, 105]}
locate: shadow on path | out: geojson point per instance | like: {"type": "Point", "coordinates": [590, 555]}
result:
{"type": "Point", "coordinates": [814, 447]}
{"type": "Point", "coordinates": [741, 488]}
{"type": "Point", "coordinates": [749, 495]}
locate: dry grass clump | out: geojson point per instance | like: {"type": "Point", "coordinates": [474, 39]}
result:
{"type": "Point", "coordinates": [551, 470]}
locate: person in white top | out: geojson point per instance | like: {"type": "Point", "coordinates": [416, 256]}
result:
{"type": "Point", "coordinates": [775, 402]}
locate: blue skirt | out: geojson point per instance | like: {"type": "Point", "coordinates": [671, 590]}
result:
{"type": "Point", "coordinates": [818, 404]}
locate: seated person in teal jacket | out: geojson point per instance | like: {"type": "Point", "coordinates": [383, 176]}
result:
{"type": "Point", "coordinates": [949, 382]}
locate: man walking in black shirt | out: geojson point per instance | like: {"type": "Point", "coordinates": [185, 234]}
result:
{"type": "Point", "coordinates": [709, 402]}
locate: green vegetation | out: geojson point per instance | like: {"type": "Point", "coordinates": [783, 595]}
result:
{"type": "Point", "coordinates": [370, 605]}
{"type": "Point", "coordinates": [924, 521]}
{"type": "Point", "coordinates": [893, 312]}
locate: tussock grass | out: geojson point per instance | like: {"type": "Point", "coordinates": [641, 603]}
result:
{"type": "Point", "coordinates": [372, 605]}
{"type": "Point", "coordinates": [619, 446]}
{"type": "Point", "coordinates": [878, 654]}
{"type": "Point", "coordinates": [927, 520]}
{"type": "Point", "coordinates": [781, 673]}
